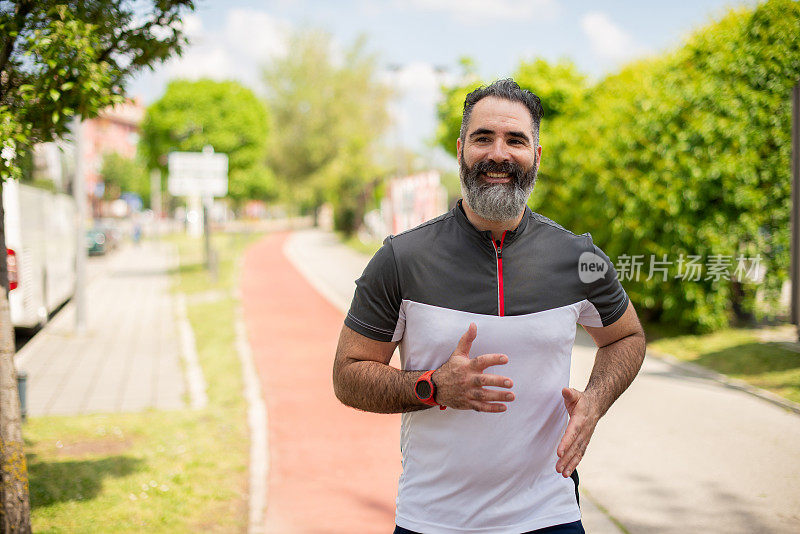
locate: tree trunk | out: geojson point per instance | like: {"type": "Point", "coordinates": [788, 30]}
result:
{"type": "Point", "coordinates": [15, 510]}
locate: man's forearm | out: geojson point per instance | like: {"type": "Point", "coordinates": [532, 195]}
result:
{"type": "Point", "coordinates": [615, 367]}
{"type": "Point", "coordinates": [377, 387]}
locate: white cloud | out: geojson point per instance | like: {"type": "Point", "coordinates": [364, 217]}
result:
{"type": "Point", "coordinates": [246, 39]}
{"type": "Point", "coordinates": [192, 25]}
{"type": "Point", "coordinates": [201, 62]}
{"type": "Point", "coordinates": [609, 41]}
{"type": "Point", "coordinates": [255, 34]}
{"type": "Point", "coordinates": [476, 11]}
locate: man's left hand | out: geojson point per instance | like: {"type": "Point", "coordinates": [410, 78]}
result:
{"type": "Point", "coordinates": [583, 417]}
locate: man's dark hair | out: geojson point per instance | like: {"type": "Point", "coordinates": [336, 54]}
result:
{"type": "Point", "coordinates": [509, 90]}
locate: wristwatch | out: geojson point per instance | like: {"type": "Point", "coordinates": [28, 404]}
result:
{"type": "Point", "coordinates": [425, 389]}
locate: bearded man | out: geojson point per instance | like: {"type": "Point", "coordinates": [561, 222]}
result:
{"type": "Point", "coordinates": [483, 302]}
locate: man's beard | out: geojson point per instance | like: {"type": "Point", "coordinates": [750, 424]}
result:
{"type": "Point", "coordinates": [496, 202]}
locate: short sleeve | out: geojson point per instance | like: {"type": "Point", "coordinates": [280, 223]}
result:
{"type": "Point", "coordinates": [606, 300]}
{"type": "Point", "coordinates": [375, 309]}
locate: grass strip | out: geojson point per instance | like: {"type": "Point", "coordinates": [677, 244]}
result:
{"type": "Point", "coordinates": [156, 471]}
{"type": "Point", "coordinates": [354, 242]}
{"type": "Point", "coordinates": [740, 353]}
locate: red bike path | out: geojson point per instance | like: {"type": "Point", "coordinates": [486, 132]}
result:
{"type": "Point", "coordinates": [331, 468]}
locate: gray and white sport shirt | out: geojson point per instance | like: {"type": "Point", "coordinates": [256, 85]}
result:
{"type": "Point", "coordinates": [465, 471]}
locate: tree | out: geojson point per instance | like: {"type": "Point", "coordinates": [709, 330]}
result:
{"type": "Point", "coordinates": [58, 60]}
{"type": "Point", "coordinates": [690, 152]}
{"type": "Point", "coordinates": [224, 114]}
{"type": "Point", "coordinates": [451, 106]}
{"type": "Point", "coordinates": [124, 175]}
{"type": "Point", "coordinates": [327, 119]}
{"type": "Point", "coordinates": [682, 155]}
{"type": "Point", "coordinates": [562, 90]}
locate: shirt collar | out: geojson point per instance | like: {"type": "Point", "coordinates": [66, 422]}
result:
{"type": "Point", "coordinates": [464, 222]}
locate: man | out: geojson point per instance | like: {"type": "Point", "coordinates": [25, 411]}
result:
{"type": "Point", "coordinates": [483, 302]}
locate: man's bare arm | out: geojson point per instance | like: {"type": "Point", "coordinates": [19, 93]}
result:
{"type": "Point", "coordinates": [619, 357]}
{"type": "Point", "coordinates": [621, 348]}
{"type": "Point", "coordinates": [363, 378]}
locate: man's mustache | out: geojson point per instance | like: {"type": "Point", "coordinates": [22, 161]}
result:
{"type": "Point", "coordinates": [493, 166]}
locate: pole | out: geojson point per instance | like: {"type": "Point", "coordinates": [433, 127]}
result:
{"type": "Point", "coordinates": [155, 199]}
{"type": "Point", "coordinates": [207, 231]}
{"type": "Point", "coordinates": [78, 192]}
{"type": "Point", "coordinates": [795, 216]}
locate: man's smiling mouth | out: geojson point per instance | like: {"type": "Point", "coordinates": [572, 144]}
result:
{"type": "Point", "coordinates": [497, 177]}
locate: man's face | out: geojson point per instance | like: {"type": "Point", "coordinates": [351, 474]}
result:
{"type": "Point", "coordinates": [498, 159]}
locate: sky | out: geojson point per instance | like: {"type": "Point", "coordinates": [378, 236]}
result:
{"type": "Point", "coordinates": [419, 42]}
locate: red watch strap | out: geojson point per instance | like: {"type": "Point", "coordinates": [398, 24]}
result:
{"type": "Point", "coordinates": [427, 377]}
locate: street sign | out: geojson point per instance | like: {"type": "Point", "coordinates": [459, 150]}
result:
{"type": "Point", "coordinates": [203, 174]}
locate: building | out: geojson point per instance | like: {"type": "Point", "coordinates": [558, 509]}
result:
{"type": "Point", "coordinates": [115, 129]}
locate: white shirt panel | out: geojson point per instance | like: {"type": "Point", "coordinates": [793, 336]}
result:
{"type": "Point", "coordinates": [465, 471]}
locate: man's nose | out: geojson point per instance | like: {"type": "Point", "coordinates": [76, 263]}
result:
{"type": "Point", "coordinates": [499, 152]}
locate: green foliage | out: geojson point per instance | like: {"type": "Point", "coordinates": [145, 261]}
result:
{"type": "Point", "coordinates": [326, 117]}
{"type": "Point", "coordinates": [60, 59]}
{"type": "Point", "coordinates": [121, 175]}
{"type": "Point", "coordinates": [688, 154]}
{"type": "Point", "coordinates": [560, 86]}
{"type": "Point", "coordinates": [225, 115]}
{"type": "Point", "coordinates": [451, 106]}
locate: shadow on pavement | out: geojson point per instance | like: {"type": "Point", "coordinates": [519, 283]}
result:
{"type": "Point", "coordinates": [720, 506]}
{"type": "Point", "coordinates": [74, 480]}
{"type": "Point", "coordinates": [372, 503]}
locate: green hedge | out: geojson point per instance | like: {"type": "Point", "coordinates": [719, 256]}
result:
{"type": "Point", "coordinates": [688, 153]}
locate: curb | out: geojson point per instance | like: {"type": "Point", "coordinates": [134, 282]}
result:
{"type": "Point", "coordinates": [733, 383]}
{"type": "Point", "coordinates": [257, 420]}
{"type": "Point", "coordinates": [198, 398]}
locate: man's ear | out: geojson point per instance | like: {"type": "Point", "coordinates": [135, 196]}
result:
{"type": "Point", "coordinates": [538, 157]}
{"type": "Point", "coordinates": [458, 149]}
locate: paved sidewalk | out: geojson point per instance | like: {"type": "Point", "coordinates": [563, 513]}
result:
{"type": "Point", "coordinates": [129, 357]}
{"type": "Point", "coordinates": [677, 453]}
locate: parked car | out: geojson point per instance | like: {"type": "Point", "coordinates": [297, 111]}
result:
{"type": "Point", "coordinates": [96, 242]}
{"type": "Point", "coordinates": [112, 231]}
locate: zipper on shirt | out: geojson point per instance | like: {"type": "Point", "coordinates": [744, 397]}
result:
{"type": "Point", "coordinates": [498, 251]}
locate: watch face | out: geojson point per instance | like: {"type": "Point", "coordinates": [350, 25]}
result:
{"type": "Point", "coordinates": [423, 389]}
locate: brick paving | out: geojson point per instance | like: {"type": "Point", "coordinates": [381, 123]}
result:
{"type": "Point", "coordinates": [128, 358]}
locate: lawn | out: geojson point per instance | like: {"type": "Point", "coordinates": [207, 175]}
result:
{"type": "Point", "coordinates": [156, 471]}
{"type": "Point", "coordinates": [355, 243]}
{"type": "Point", "coordinates": [739, 353]}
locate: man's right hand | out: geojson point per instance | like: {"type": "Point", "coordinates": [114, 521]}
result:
{"type": "Point", "coordinates": [460, 381]}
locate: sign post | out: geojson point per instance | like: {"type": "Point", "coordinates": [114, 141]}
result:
{"type": "Point", "coordinates": [201, 175]}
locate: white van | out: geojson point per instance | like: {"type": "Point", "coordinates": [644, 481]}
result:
{"type": "Point", "coordinates": [40, 232]}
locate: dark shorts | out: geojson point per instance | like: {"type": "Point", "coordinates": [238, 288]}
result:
{"type": "Point", "coordinates": [566, 528]}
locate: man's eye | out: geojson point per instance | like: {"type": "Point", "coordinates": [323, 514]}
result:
{"type": "Point", "coordinates": [482, 139]}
